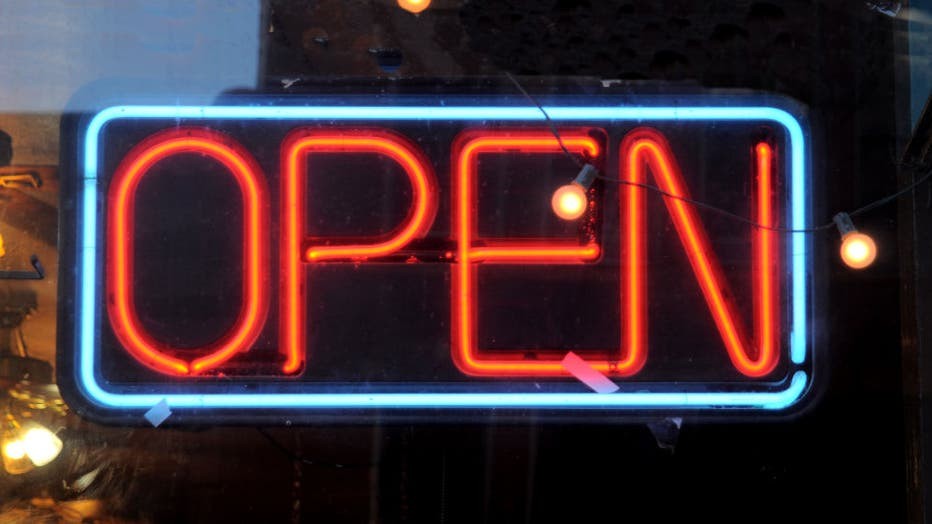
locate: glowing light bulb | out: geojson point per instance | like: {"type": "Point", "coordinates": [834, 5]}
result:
{"type": "Point", "coordinates": [858, 250]}
{"type": "Point", "coordinates": [569, 202]}
{"type": "Point", "coordinates": [41, 445]}
{"type": "Point", "coordinates": [27, 446]}
{"type": "Point", "coordinates": [414, 6]}
{"type": "Point", "coordinates": [15, 461]}
{"type": "Point", "coordinates": [14, 450]}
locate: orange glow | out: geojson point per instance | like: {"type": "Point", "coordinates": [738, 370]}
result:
{"type": "Point", "coordinates": [569, 202]}
{"type": "Point", "coordinates": [523, 252]}
{"type": "Point", "coordinates": [414, 6]}
{"type": "Point", "coordinates": [297, 146]}
{"type": "Point", "coordinates": [121, 306]}
{"type": "Point", "coordinates": [465, 293]}
{"type": "Point", "coordinates": [647, 147]}
{"type": "Point", "coordinates": [858, 250]}
{"type": "Point", "coordinates": [765, 267]}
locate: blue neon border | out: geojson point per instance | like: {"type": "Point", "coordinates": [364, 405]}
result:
{"type": "Point", "coordinates": [86, 256]}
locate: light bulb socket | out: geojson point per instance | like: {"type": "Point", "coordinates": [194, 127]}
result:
{"type": "Point", "coordinates": [844, 224]}
{"type": "Point", "coordinates": [586, 176]}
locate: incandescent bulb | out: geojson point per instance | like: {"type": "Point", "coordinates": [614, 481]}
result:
{"type": "Point", "coordinates": [858, 250]}
{"type": "Point", "coordinates": [40, 444]}
{"type": "Point", "coordinates": [414, 6]}
{"type": "Point", "coordinates": [14, 450]}
{"type": "Point", "coordinates": [569, 202]}
{"type": "Point", "coordinates": [15, 461]}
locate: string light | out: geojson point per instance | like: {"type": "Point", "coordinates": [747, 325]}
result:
{"type": "Point", "coordinates": [414, 6]}
{"type": "Point", "coordinates": [858, 250]}
{"type": "Point", "coordinates": [570, 201]}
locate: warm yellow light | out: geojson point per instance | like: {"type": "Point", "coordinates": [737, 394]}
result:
{"type": "Point", "coordinates": [569, 202]}
{"type": "Point", "coordinates": [14, 450]}
{"type": "Point", "coordinates": [414, 6]}
{"type": "Point", "coordinates": [15, 461]}
{"type": "Point", "coordinates": [41, 445]}
{"type": "Point", "coordinates": [858, 250]}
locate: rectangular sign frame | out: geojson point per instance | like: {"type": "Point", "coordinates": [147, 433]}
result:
{"type": "Point", "coordinates": [81, 311]}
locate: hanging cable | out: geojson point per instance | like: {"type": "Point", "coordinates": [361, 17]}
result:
{"type": "Point", "coordinates": [553, 127]}
{"type": "Point", "coordinates": [710, 207]}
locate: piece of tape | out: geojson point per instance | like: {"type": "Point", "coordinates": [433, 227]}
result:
{"type": "Point", "coordinates": [158, 413]}
{"type": "Point", "coordinates": [587, 374]}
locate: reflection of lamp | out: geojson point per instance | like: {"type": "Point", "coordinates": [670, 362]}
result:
{"type": "Point", "coordinates": [28, 445]}
{"type": "Point", "coordinates": [41, 445]}
{"type": "Point", "coordinates": [15, 461]}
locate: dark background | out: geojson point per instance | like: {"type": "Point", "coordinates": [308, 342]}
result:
{"type": "Point", "coordinates": [843, 460]}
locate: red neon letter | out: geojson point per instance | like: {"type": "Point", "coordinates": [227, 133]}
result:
{"type": "Point", "coordinates": [295, 149]}
{"type": "Point", "coordinates": [466, 355]}
{"type": "Point", "coordinates": [120, 304]}
{"type": "Point", "coordinates": [647, 147]}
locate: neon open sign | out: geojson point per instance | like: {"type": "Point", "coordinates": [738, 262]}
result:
{"type": "Point", "coordinates": [251, 261]}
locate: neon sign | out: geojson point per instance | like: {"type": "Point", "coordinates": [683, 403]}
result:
{"type": "Point", "coordinates": [210, 272]}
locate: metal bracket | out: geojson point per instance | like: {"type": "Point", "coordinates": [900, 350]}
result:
{"type": "Point", "coordinates": [25, 179]}
{"type": "Point", "coordinates": [38, 274]}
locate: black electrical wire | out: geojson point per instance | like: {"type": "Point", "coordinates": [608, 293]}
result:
{"type": "Point", "coordinates": [717, 210]}
{"type": "Point", "coordinates": [553, 127]}
{"type": "Point", "coordinates": [890, 198]}
{"type": "Point", "coordinates": [709, 207]}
